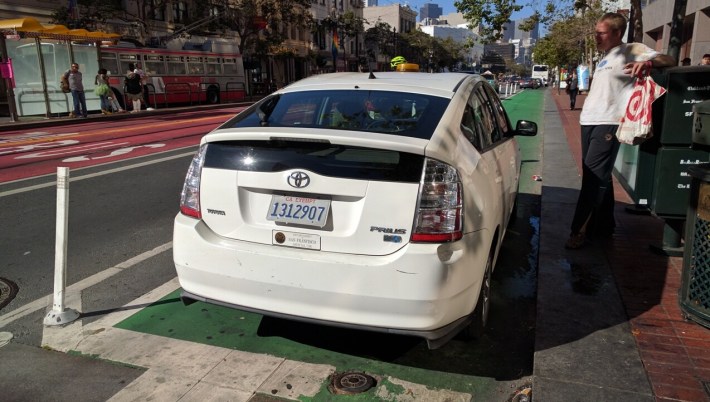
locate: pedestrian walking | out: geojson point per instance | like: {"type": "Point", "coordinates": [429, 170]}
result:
{"type": "Point", "coordinates": [144, 83]}
{"type": "Point", "coordinates": [74, 78]}
{"type": "Point", "coordinates": [572, 89]}
{"type": "Point", "coordinates": [103, 90]}
{"type": "Point", "coordinates": [134, 89]}
{"type": "Point", "coordinates": [605, 104]}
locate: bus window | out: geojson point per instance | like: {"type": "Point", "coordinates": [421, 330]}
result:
{"type": "Point", "coordinates": [125, 60]}
{"type": "Point", "coordinates": [230, 66]}
{"type": "Point", "coordinates": [109, 62]}
{"type": "Point", "coordinates": [154, 65]}
{"type": "Point", "coordinates": [195, 66]}
{"type": "Point", "coordinates": [213, 67]}
{"type": "Point", "coordinates": [176, 65]}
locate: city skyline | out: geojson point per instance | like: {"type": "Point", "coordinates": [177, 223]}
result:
{"type": "Point", "coordinates": [447, 6]}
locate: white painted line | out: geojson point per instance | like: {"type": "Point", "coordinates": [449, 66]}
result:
{"type": "Point", "coordinates": [43, 302]}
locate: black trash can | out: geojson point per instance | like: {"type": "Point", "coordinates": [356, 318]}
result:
{"type": "Point", "coordinates": [694, 294]}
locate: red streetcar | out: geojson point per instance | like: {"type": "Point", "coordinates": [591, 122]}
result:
{"type": "Point", "coordinates": [179, 76]}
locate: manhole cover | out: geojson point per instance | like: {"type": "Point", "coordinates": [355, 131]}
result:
{"type": "Point", "coordinates": [351, 383]}
{"type": "Point", "coordinates": [8, 290]}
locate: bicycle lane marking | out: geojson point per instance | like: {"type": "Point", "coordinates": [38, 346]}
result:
{"type": "Point", "coordinates": [8, 140]}
{"type": "Point", "coordinates": [121, 152]}
{"type": "Point", "coordinates": [36, 146]}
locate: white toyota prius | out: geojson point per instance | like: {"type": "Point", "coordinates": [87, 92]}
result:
{"type": "Point", "coordinates": [373, 201]}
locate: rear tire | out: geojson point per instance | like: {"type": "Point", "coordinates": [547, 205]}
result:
{"type": "Point", "coordinates": [213, 96]}
{"type": "Point", "coordinates": [476, 328]}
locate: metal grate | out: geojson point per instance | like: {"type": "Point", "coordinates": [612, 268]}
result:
{"type": "Point", "coordinates": [699, 275]}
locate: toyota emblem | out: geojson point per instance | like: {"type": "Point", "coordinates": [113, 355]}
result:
{"type": "Point", "coordinates": [298, 180]}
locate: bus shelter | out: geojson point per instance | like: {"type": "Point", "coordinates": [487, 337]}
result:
{"type": "Point", "coordinates": [34, 57]}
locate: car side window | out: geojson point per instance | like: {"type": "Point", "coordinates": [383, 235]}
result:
{"type": "Point", "coordinates": [499, 112]}
{"type": "Point", "coordinates": [488, 120]}
{"type": "Point", "coordinates": [468, 127]}
{"type": "Point", "coordinates": [481, 131]}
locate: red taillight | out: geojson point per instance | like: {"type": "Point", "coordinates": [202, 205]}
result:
{"type": "Point", "coordinates": [440, 211]}
{"type": "Point", "coordinates": [190, 196]}
{"type": "Point", "coordinates": [190, 212]}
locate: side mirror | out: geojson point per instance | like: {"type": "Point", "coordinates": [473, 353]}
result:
{"type": "Point", "coordinates": [526, 128]}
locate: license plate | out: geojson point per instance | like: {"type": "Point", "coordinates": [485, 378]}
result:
{"type": "Point", "coordinates": [298, 210]}
{"type": "Point", "coordinates": [298, 240]}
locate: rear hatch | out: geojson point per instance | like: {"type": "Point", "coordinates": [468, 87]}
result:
{"type": "Point", "coordinates": [311, 194]}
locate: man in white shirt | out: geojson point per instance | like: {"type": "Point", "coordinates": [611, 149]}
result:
{"type": "Point", "coordinates": [605, 104]}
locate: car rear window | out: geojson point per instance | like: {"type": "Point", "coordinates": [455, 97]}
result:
{"type": "Point", "coordinates": [400, 113]}
{"type": "Point", "coordinates": [319, 157]}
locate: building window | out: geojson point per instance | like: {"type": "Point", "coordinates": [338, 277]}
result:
{"type": "Point", "coordinates": [157, 9]}
{"type": "Point", "coordinates": [179, 11]}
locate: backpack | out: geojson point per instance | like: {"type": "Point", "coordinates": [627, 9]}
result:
{"type": "Point", "coordinates": [64, 83]}
{"type": "Point", "coordinates": [133, 84]}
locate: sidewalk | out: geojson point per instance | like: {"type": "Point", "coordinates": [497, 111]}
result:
{"type": "Point", "coordinates": [608, 323]}
{"type": "Point", "coordinates": [609, 327]}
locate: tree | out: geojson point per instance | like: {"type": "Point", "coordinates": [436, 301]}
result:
{"type": "Point", "coordinates": [89, 14]}
{"type": "Point", "coordinates": [447, 53]}
{"type": "Point", "coordinates": [569, 41]}
{"type": "Point", "coordinates": [260, 24]}
{"type": "Point", "coordinates": [488, 15]}
{"type": "Point", "coordinates": [417, 46]}
{"type": "Point", "coordinates": [378, 40]}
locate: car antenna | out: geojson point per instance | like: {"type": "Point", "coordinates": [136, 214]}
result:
{"type": "Point", "coordinates": [371, 76]}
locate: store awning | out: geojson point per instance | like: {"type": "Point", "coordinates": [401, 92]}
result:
{"type": "Point", "coordinates": [31, 28]}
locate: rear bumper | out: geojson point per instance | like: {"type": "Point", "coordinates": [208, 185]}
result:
{"type": "Point", "coordinates": [424, 290]}
{"type": "Point", "coordinates": [434, 338]}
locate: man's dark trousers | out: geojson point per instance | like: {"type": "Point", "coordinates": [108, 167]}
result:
{"type": "Point", "coordinates": [595, 206]}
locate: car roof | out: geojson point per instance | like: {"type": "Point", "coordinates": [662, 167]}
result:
{"type": "Point", "coordinates": [436, 84]}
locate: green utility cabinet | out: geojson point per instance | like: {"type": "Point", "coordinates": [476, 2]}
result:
{"type": "Point", "coordinates": [655, 172]}
{"type": "Point", "coordinates": [694, 294]}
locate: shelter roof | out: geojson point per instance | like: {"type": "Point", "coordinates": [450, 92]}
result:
{"type": "Point", "coordinates": [31, 28]}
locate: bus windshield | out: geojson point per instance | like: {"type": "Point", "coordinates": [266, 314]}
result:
{"type": "Point", "coordinates": [540, 71]}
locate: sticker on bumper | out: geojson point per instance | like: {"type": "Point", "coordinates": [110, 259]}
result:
{"type": "Point", "coordinates": [294, 239]}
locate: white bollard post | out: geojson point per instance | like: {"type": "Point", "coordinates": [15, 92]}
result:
{"type": "Point", "coordinates": [60, 315]}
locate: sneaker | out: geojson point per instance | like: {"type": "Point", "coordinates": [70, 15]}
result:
{"type": "Point", "coordinates": [71, 115]}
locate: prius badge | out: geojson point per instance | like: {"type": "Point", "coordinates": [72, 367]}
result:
{"type": "Point", "coordinates": [298, 179]}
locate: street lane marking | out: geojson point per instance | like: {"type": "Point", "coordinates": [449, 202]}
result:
{"type": "Point", "coordinates": [90, 175]}
{"type": "Point", "coordinates": [46, 301]}
{"type": "Point", "coordinates": [6, 142]}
